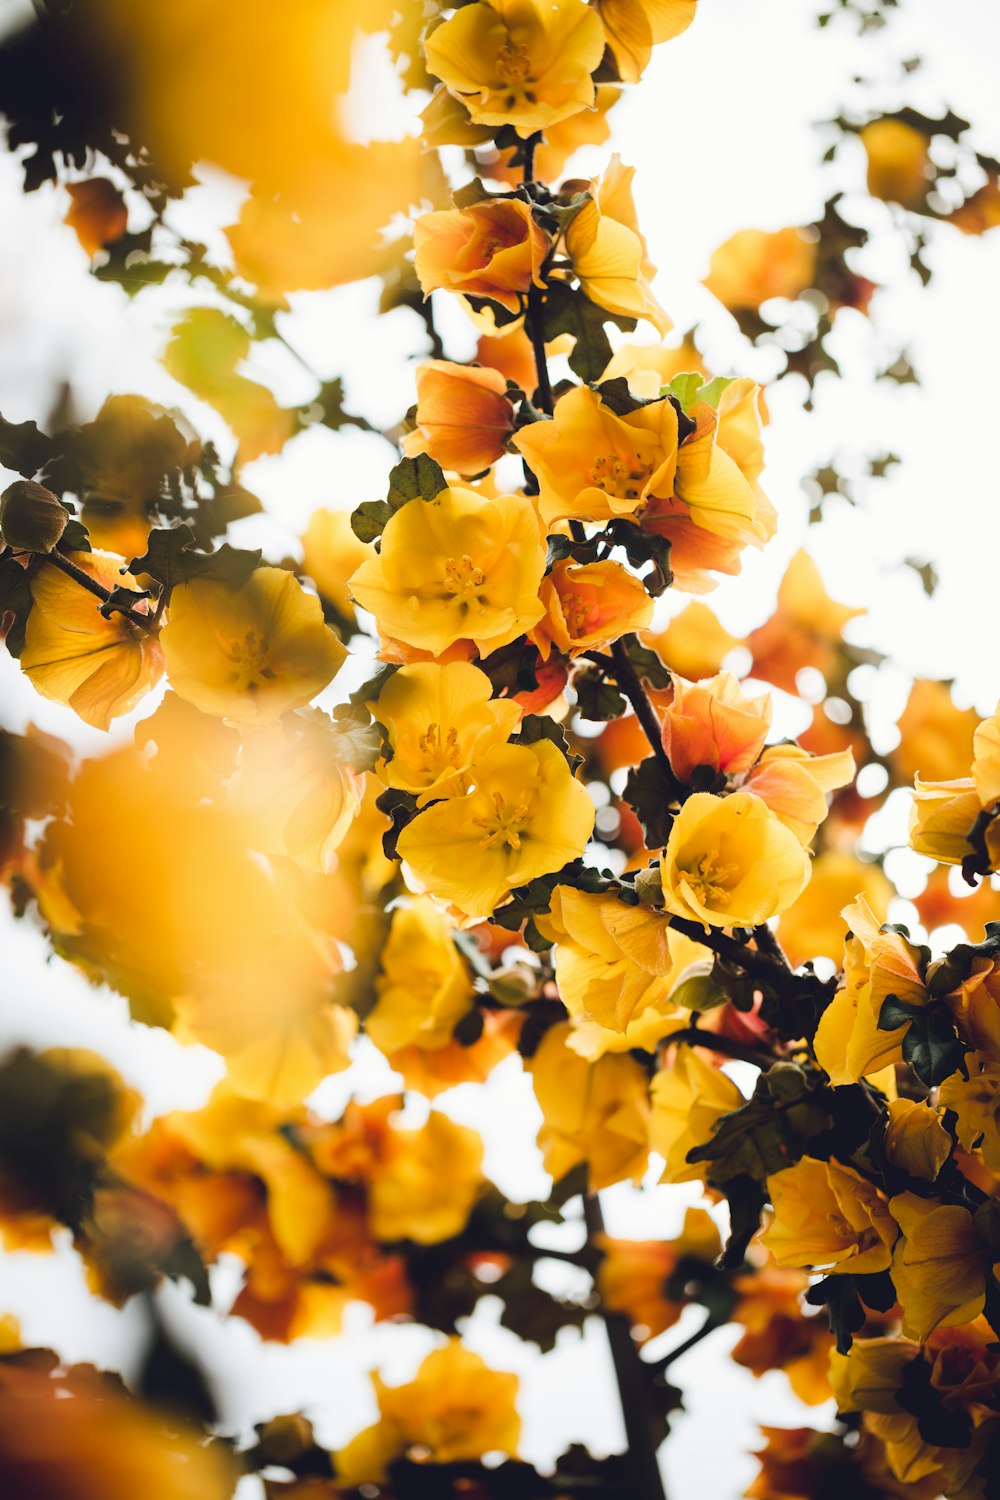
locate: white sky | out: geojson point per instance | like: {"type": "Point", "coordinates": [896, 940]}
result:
{"type": "Point", "coordinates": [720, 133]}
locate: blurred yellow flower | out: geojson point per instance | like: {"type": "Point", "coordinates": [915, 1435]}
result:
{"type": "Point", "coordinates": [204, 351]}
{"type": "Point", "coordinates": [440, 717]}
{"type": "Point", "coordinates": [526, 63]}
{"type": "Point", "coordinates": [935, 736]}
{"type": "Point", "coordinates": [100, 668]}
{"type": "Point", "coordinates": [457, 567]}
{"type": "Point", "coordinates": [609, 252]}
{"type": "Point", "coordinates": [426, 1181]}
{"type": "Point", "coordinates": [694, 641]}
{"type": "Point", "coordinates": [729, 862]}
{"type": "Point", "coordinates": [754, 265]}
{"type": "Point", "coordinates": [829, 1217]}
{"type": "Point", "coordinates": [688, 1097]}
{"type": "Point", "coordinates": [455, 1408]}
{"type": "Point", "coordinates": [527, 815]}
{"type": "Point", "coordinates": [596, 1113]}
{"type": "Point", "coordinates": [813, 927]}
{"type": "Point", "coordinates": [899, 164]}
{"type": "Point", "coordinates": [330, 554]}
{"type": "Point", "coordinates": [423, 987]}
{"type": "Point", "coordinates": [250, 652]}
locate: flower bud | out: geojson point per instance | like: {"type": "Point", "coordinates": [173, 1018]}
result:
{"type": "Point", "coordinates": [514, 983]}
{"type": "Point", "coordinates": [284, 1439]}
{"type": "Point", "coordinates": [649, 886]}
{"type": "Point", "coordinates": [32, 519]}
{"type": "Point", "coordinates": [697, 990]}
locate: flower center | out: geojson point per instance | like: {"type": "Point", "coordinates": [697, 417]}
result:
{"type": "Point", "coordinates": [462, 577]}
{"type": "Point", "coordinates": [250, 658]}
{"type": "Point", "coordinates": [503, 827]}
{"type": "Point", "coordinates": [513, 63]}
{"type": "Point", "coordinates": [623, 478]}
{"type": "Point", "coordinates": [438, 749]}
{"type": "Point", "coordinates": [710, 882]}
{"type": "Point", "coordinates": [578, 613]}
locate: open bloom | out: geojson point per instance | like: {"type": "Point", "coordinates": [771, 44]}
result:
{"type": "Point", "coordinates": [593, 1112]}
{"type": "Point", "coordinates": [828, 1216]}
{"type": "Point", "coordinates": [688, 1099]}
{"type": "Point", "coordinates": [794, 784]}
{"type": "Point", "coordinates": [527, 815]}
{"type": "Point", "coordinates": [714, 724]}
{"type": "Point", "coordinates": [425, 1182]}
{"type": "Point", "coordinates": [729, 862]}
{"type": "Point", "coordinates": [608, 250]}
{"type": "Point", "coordinates": [939, 1265]}
{"type": "Point", "coordinates": [633, 27]}
{"type": "Point", "coordinates": [458, 567]}
{"type": "Point", "coordinates": [593, 465]}
{"type": "Point", "coordinates": [492, 249]}
{"type": "Point", "coordinates": [526, 63]}
{"type": "Point", "coordinates": [424, 988]}
{"type": "Point", "coordinates": [464, 416]}
{"type": "Point", "coordinates": [440, 717]}
{"type": "Point", "coordinates": [100, 668]}
{"type": "Point", "coordinates": [251, 652]}
{"type": "Point", "coordinates": [588, 605]}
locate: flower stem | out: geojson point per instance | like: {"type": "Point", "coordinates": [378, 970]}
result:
{"type": "Point", "coordinates": [58, 560]}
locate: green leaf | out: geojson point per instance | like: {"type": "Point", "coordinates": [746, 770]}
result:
{"type": "Point", "coordinates": [372, 686]}
{"type": "Point", "coordinates": [15, 602]}
{"type": "Point", "coordinates": [895, 1013]}
{"type": "Point", "coordinates": [359, 740]}
{"type": "Point", "coordinates": [401, 808]}
{"type": "Point", "coordinates": [23, 448]}
{"type": "Point", "coordinates": [570, 311]}
{"type": "Point", "coordinates": [688, 389]}
{"type": "Point", "coordinates": [597, 698]}
{"type": "Point", "coordinates": [75, 538]}
{"type": "Point", "coordinates": [417, 478]}
{"type": "Point", "coordinates": [642, 547]}
{"type": "Point", "coordinates": [932, 1048]}
{"type": "Point", "coordinates": [472, 192]}
{"type": "Point", "coordinates": [649, 794]}
{"type": "Point", "coordinates": [646, 662]}
{"type": "Point", "coordinates": [171, 558]}
{"type": "Point", "coordinates": [535, 727]}
{"type": "Point", "coordinates": [839, 1296]}
{"type": "Point", "coordinates": [368, 520]}
{"type": "Point", "coordinates": [615, 395]}
{"type": "Point", "coordinates": [121, 600]}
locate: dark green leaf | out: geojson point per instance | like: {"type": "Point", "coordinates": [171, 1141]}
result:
{"type": "Point", "coordinates": [569, 311]}
{"type": "Point", "coordinates": [649, 794]}
{"type": "Point", "coordinates": [596, 697]}
{"type": "Point", "coordinates": [15, 602]}
{"type": "Point", "coordinates": [171, 558]}
{"type": "Point", "coordinates": [23, 448]}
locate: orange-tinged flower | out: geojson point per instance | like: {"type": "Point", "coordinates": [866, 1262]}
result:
{"type": "Point", "coordinates": [464, 416]}
{"type": "Point", "coordinates": [695, 643]}
{"type": "Point", "coordinates": [687, 1099]}
{"type": "Point", "coordinates": [510, 353]}
{"type": "Point", "coordinates": [424, 988]}
{"type": "Point", "coordinates": [813, 927]}
{"type": "Point", "coordinates": [526, 63]}
{"type": "Point", "coordinates": [609, 251]}
{"type": "Point", "coordinates": [986, 759]}
{"type": "Point", "coordinates": [455, 1408]}
{"type": "Point", "coordinates": [829, 1217]}
{"type": "Point", "coordinates": [936, 737]}
{"type": "Point", "coordinates": [634, 1274]}
{"type": "Point", "coordinates": [877, 963]}
{"type": "Point", "coordinates": [100, 668]}
{"type": "Point", "coordinates": [527, 815]}
{"type": "Point", "coordinates": [440, 717]}
{"type": "Point", "coordinates": [795, 785]}
{"type": "Point", "coordinates": [425, 1182]}
{"type": "Point", "coordinates": [596, 1113]}
{"type": "Point", "coordinates": [250, 652]}
{"type": "Point", "coordinates": [899, 165]}
{"type": "Point", "coordinates": [754, 265]}
{"type": "Point", "coordinates": [592, 464]}
{"type": "Point", "coordinates": [492, 249]}
{"type": "Point", "coordinates": [805, 629]}
{"type": "Point", "coordinates": [633, 27]}
{"type": "Point", "coordinates": [98, 214]}
{"type": "Point", "coordinates": [330, 554]}
{"type": "Point", "coordinates": [714, 724]}
{"type": "Point", "coordinates": [589, 605]}
{"type": "Point", "coordinates": [981, 211]}
{"type": "Point", "coordinates": [729, 862]}
{"type": "Point", "coordinates": [939, 1266]}
{"type": "Point", "coordinates": [458, 567]}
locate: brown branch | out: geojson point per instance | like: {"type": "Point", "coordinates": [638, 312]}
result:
{"type": "Point", "coordinates": [58, 560]}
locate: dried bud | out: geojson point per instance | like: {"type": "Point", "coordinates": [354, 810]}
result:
{"type": "Point", "coordinates": [649, 886]}
{"type": "Point", "coordinates": [284, 1439]}
{"type": "Point", "coordinates": [32, 519]}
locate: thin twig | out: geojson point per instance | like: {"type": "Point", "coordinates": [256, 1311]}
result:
{"type": "Point", "coordinates": [60, 561]}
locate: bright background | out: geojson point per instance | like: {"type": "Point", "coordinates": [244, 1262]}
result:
{"type": "Point", "coordinates": [721, 131]}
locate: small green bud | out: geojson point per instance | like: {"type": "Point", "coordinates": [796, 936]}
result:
{"type": "Point", "coordinates": [31, 517]}
{"type": "Point", "coordinates": [696, 989]}
{"type": "Point", "coordinates": [514, 984]}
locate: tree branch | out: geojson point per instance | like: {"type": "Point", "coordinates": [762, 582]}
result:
{"type": "Point", "coordinates": [58, 560]}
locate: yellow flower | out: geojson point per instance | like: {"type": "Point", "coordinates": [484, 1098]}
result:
{"type": "Point", "coordinates": [527, 815]}
{"type": "Point", "coordinates": [464, 416]}
{"type": "Point", "coordinates": [795, 784]}
{"type": "Point", "coordinates": [251, 652]}
{"type": "Point", "coordinates": [936, 737]}
{"type": "Point", "coordinates": [829, 1217]}
{"type": "Point", "coordinates": [593, 465]}
{"type": "Point", "coordinates": [688, 1098]}
{"type": "Point", "coordinates": [714, 724]}
{"type": "Point", "coordinates": [458, 567]}
{"type": "Point", "coordinates": [440, 718]}
{"type": "Point", "coordinates": [614, 962]}
{"type": "Point", "coordinates": [939, 1266]}
{"type": "Point", "coordinates": [633, 27]}
{"type": "Point", "coordinates": [694, 642]}
{"type": "Point", "coordinates": [805, 629]}
{"type": "Point", "coordinates": [609, 252]}
{"type": "Point", "coordinates": [941, 819]}
{"type": "Point", "coordinates": [899, 166]}
{"type": "Point", "coordinates": [426, 1181]}
{"type": "Point", "coordinates": [813, 927]}
{"type": "Point", "coordinates": [330, 554]}
{"type": "Point", "coordinates": [915, 1139]}
{"type": "Point", "coordinates": [986, 759]}
{"type": "Point", "coordinates": [976, 1102]}
{"type": "Point", "coordinates": [877, 963]}
{"type": "Point", "coordinates": [455, 1408]}
{"type": "Point", "coordinates": [292, 792]}
{"type": "Point", "coordinates": [100, 668]}
{"type": "Point", "coordinates": [589, 605]}
{"type": "Point", "coordinates": [491, 249]}
{"type": "Point", "coordinates": [424, 988]}
{"type": "Point", "coordinates": [526, 63]}
{"type": "Point", "coordinates": [729, 862]}
{"type": "Point", "coordinates": [596, 1113]}
{"type": "Point", "coordinates": [754, 265]}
